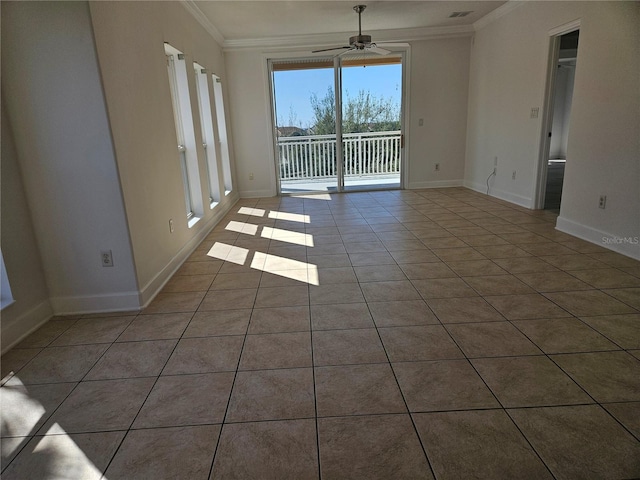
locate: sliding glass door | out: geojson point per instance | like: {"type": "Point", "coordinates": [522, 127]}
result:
{"type": "Point", "coordinates": [305, 125]}
{"type": "Point", "coordinates": [371, 122]}
{"type": "Point", "coordinates": [338, 122]}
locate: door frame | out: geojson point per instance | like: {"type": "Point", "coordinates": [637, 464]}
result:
{"type": "Point", "coordinates": [337, 87]}
{"type": "Point", "coordinates": [404, 115]}
{"type": "Point", "coordinates": [548, 108]}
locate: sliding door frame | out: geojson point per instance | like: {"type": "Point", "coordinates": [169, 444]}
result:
{"type": "Point", "coordinates": [337, 68]}
{"type": "Point", "coordinates": [337, 86]}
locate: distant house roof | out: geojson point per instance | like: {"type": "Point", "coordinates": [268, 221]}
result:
{"type": "Point", "coordinates": [290, 131]}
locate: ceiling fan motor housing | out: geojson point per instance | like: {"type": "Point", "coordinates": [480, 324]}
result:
{"type": "Point", "coordinates": [360, 41]}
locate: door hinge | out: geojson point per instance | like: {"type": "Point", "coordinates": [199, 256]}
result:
{"type": "Point", "coordinates": [402, 141]}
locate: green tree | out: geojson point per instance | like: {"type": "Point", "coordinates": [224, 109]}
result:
{"type": "Point", "coordinates": [363, 113]}
{"type": "Point", "coordinates": [324, 121]}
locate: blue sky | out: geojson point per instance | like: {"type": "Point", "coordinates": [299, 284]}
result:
{"type": "Point", "coordinates": [293, 89]}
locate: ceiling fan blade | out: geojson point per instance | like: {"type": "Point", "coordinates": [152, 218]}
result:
{"type": "Point", "coordinates": [330, 49]}
{"type": "Point", "coordinates": [346, 51]}
{"type": "Point", "coordinates": [392, 45]}
{"type": "Point", "coordinates": [378, 50]}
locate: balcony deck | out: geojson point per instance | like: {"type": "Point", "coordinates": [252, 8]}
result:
{"type": "Point", "coordinates": [371, 161]}
{"type": "Point", "coordinates": [382, 182]}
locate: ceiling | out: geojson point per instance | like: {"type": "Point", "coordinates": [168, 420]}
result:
{"type": "Point", "coordinates": [240, 20]}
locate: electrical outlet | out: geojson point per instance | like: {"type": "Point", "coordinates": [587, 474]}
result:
{"type": "Point", "coordinates": [251, 176]}
{"type": "Point", "coordinates": [107, 258]}
{"type": "Point", "coordinates": [603, 201]}
{"type": "Point", "coordinates": [437, 167]}
{"type": "Point", "coordinates": [420, 122]}
{"type": "Point", "coordinates": [513, 175]}
{"type": "Point", "coordinates": [171, 227]}
{"type": "Point", "coordinates": [534, 112]}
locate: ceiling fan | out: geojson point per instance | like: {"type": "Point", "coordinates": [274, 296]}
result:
{"type": "Point", "coordinates": [362, 42]}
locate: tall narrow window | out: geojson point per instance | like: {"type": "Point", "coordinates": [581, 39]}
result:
{"type": "Point", "coordinates": [208, 137]}
{"type": "Point", "coordinates": [179, 85]}
{"type": "Point", "coordinates": [222, 134]}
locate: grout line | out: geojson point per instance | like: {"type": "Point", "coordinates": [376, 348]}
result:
{"type": "Point", "coordinates": [148, 393]}
{"type": "Point", "coordinates": [406, 405]}
{"type": "Point", "coordinates": [315, 394]}
{"type": "Point", "coordinates": [426, 205]}
{"type": "Point", "coordinates": [233, 383]}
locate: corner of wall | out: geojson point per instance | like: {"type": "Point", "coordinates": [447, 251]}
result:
{"type": "Point", "coordinates": [523, 201]}
{"type": "Point", "coordinates": [629, 246]}
{"type": "Point", "coordinates": [149, 291]}
{"type": "Point", "coordinates": [19, 328]}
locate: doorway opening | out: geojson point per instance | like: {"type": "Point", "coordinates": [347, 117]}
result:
{"type": "Point", "coordinates": [564, 55]}
{"type": "Point", "coordinates": [338, 123]}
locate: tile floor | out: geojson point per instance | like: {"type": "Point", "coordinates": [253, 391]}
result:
{"type": "Point", "coordinates": [406, 334]}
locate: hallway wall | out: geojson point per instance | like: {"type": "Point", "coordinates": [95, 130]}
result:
{"type": "Point", "coordinates": [508, 73]}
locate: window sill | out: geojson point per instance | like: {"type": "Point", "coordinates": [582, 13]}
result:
{"type": "Point", "coordinates": [213, 205]}
{"type": "Point", "coordinates": [6, 303]}
{"type": "Point", "coordinates": [192, 221]}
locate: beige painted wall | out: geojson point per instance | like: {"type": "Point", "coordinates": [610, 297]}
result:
{"type": "Point", "coordinates": [94, 162]}
{"type": "Point", "coordinates": [250, 122]}
{"type": "Point", "coordinates": [508, 73]}
{"type": "Point", "coordinates": [130, 40]}
{"type": "Point", "coordinates": [53, 99]}
{"type": "Point", "coordinates": [438, 78]}
{"type": "Point", "coordinates": [439, 90]}
{"type": "Point", "coordinates": [22, 260]}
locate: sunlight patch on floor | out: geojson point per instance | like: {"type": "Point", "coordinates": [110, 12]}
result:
{"type": "Point", "coordinates": [20, 413]}
{"type": "Point", "coordinates": [276, 265]}
{"type": "Point", "coordinates": [286, 267]}
{"type": "Point", "coordinates": [55, 455]}
{"type": "Point", "coordinates": [241, 227]}
{"type": "Point", "coordinates": [288, 236]}
{"type": "Point", "coordinates": [229, 253]}
{"type": "Point", "coordinates": [62, 457]}
{"type": "Point", "coordinates": [291, 217]}
{"type": "Point", "coordinates": [256, 212]}
{"type": "Point", "coordinates": [314, 196]}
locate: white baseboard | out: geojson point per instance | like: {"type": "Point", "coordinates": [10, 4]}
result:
{"type": "Point", "coordinates": [111, 302]}
{"type": "Point", "coordinates": [135, 301]}
{"type": "Point", "coordinates": [257, 193]}
{"type": "Point", "coordinates": [434, 184]}
{"type": "Point", "coordinates": [153, 287]}
{"type": "Point", "coordinates": [16, 330]}
{"type": "Point", "coordinates": [526, 202]}
{"type": "Point", "coordinates": [624, 245]}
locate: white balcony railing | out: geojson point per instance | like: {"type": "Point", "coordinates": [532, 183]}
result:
{"type": "Point", "coordinates": [314, 156]}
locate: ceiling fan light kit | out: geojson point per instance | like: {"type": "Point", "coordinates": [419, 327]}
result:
{"type": "Point", "coordinates": [360, 41]}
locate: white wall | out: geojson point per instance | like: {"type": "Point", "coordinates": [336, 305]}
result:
{"type": "Point", "coordinates": [508, 71]}
{"type": "Point", "coordinates": [130, 40]}
{"type": "Point", "coordinates": [86, 91]}
{"type": "Point", "coordinates": [22, 260]}
{"type": "Point", "coordinates": [439, 95]}
{"type": "Point", "coordinates": [250, 121]}
{"type": "Point", "coordinates": [53, 98]}
{"type": "Point", "coordinates": [439, 76]}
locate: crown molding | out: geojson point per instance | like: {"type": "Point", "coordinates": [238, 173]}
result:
{"type": "Point", "coordinates": [501, 11]}
{"type": "Point", "coordinates": [202, 19]}
{"type": "Point", "coordinates": [329, 40]}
